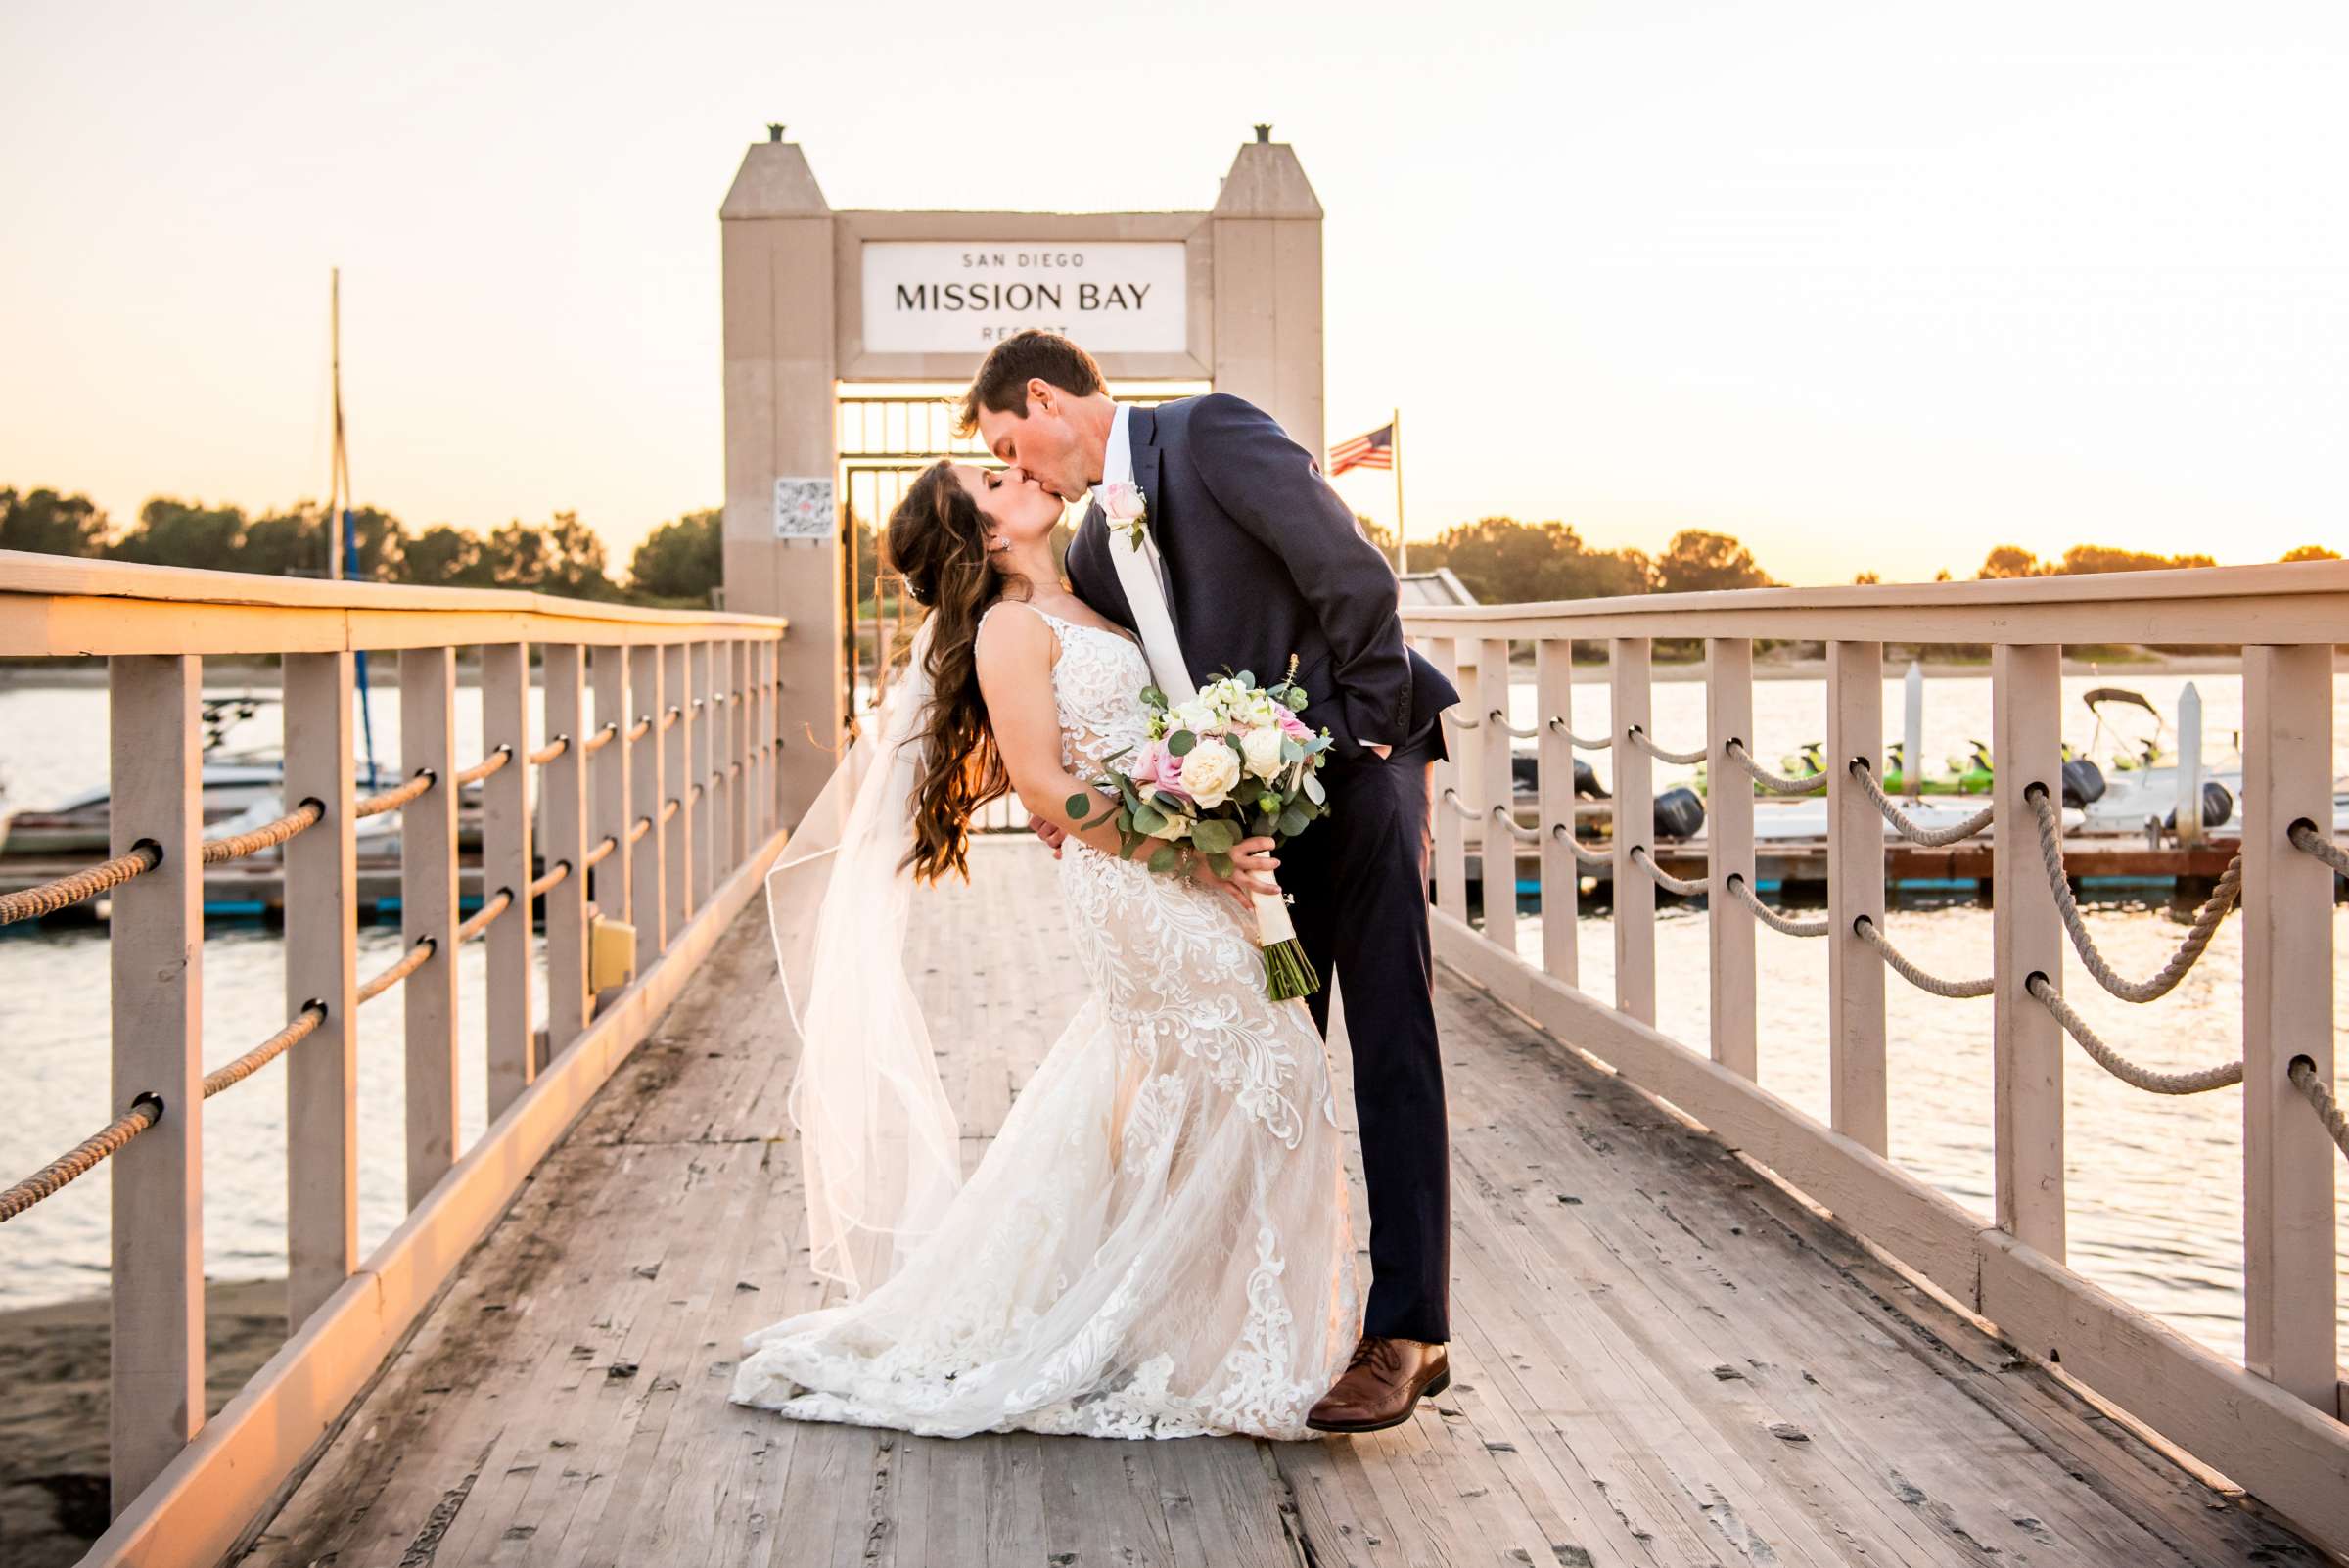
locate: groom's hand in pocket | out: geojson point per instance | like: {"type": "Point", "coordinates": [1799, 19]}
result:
{"type": "Point", "coordinates": [1051, 832]}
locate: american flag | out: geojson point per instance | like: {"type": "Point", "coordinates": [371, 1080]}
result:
{"type": "Point", "coordinates": [1374, 450]}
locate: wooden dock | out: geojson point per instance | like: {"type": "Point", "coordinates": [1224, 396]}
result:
{"type": "Point", "coordinates": [1662, 1357]}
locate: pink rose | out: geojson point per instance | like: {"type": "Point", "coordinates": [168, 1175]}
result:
{"type": "Point", "coordinates": [1119, 503]}
{"type": "Point", "coordinates": [1291, 726]}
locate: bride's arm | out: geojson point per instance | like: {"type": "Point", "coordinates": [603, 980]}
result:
{"type": "Point", "coordinates": [1014, 658]}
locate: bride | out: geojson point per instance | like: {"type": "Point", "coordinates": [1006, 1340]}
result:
{"type": "Point", "coordinates": [1157, 1243]}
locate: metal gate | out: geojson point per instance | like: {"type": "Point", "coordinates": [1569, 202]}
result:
{"type": "Point", "coordinates": [885, 440]}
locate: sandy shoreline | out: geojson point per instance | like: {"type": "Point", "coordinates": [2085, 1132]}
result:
{"type": "Point", "coordinates": [53, 1363]}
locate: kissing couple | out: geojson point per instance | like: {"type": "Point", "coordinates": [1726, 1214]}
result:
{"type": "Point", "coordinates": [1158, 1242]}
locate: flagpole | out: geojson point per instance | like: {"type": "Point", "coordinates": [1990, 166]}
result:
{"type": "Point", "coordinates": [1402, 549]}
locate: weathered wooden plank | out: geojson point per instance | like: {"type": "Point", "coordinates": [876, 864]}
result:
{"type": "Point", "coordinates": [2026, 937]}
{"type": "Point", "coordinates": [1585, 1417]}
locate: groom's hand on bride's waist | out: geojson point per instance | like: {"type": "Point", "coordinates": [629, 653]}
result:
{"type": "Point", "coordinates": [1051, 832]}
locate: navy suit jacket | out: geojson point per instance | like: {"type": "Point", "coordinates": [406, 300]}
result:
{"type": "Point", "coordinates": [1264, 560]}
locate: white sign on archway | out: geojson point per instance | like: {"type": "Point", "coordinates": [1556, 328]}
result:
{"type": "Point", "coordinates": [965, 296]}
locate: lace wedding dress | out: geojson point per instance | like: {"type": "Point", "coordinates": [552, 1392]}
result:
{"type": "Point", "coordinates": [1157, 1243]}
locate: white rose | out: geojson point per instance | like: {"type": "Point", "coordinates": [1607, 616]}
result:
{"type": "Point", "coordinates": [1172, 828]}
{"type": "Point", "coordinates": [1209, 772]}
{"type": "Point", "coordinates": [1262, 747]}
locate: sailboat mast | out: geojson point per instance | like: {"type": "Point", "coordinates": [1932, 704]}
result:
{"type": "Point", "coordinates": [339, 479]}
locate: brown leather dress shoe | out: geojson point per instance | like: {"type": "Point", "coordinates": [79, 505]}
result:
{"type": "Point", "coordinates": [1382, 1385]}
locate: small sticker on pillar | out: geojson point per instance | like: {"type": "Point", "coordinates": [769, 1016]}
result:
{"type": "Point", "coordinates": [803, 509]}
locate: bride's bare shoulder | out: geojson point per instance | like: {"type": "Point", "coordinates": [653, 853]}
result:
{"type": "Point", "coordinates": [1013, 637]}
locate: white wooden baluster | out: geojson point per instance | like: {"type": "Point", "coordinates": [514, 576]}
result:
{"type": "Point", "coordinates": [738, 754]}
{"type": "Point", "coordinates": [1855, 888]}
{"type": "Point", "coordinates": [648, 787]}
{"type": "Point", "coordinates": [322, 1073]}
{"type": "Point", "coordinates": [1729, 846]}
{"type": "Point", "coordinates": [1451, 851]}
{"type": "Point", "coordinates": [763, 729]}
{"type": "Point", "coordinates": [677, 781]}
{"type": "Point", "coordinates": [710, 811]}
{"type": "Point", "coordinates": [157, 958]}
{"type": "Point", "coordinates": [562, 792]}
{"type": "Point", "coordinates": [1561, 876]}
{"type": "Point", "coordinates": [506, 868]}
{"type": "Point", "coordinates": [1496, 803]}
{"type": "Point", "coordinates": [2290, 1165]}
{"type": "Point", "coordinates": [2026, 936]}
{"type": "Point", "coordinates": [428, 909]}
{"type": "Point", "coordinates": [1634, 894]}
{"type": "Point", "coordinates": [609, 781]}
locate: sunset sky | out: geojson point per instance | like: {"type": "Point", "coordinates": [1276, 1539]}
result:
{"type": "Point", "coordinates": [1869, 285]}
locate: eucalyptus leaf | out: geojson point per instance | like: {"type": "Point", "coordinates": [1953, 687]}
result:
{"type": "Point", "coordinates": [1291, 752]}
{"type": "Point", "coordinates": [1214, 835]}
{"type": "Point", "coordinates": [1078, 806]}
{"type": "Point", "coordinates": [1154, 698]}
{"type": "Point", "coordinates": [1315, 790]}
{"type": "Point", "coordinates": [1179, 743]}
{"type": "Point", "coordinates": [1292, 822]}
{"type": "Point", "coordinates": [1221, 864]}
{"type": "Point", "coordinates": [1149, 819]}
{"type": "Point", "coordinates": [1162, 859]}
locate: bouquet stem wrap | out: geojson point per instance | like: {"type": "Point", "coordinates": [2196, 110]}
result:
{"type": "Point", "coordinates": [1288, 972]}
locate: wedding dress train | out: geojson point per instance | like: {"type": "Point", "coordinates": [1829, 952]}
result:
{"type": "Point", "coordinates": [1157, 1243]}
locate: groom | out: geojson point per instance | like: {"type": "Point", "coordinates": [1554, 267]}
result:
{"type": "Point", "coordinates": [1262, 560]}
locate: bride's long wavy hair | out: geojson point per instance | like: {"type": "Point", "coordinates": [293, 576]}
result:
{"type": "Point", "coordinates": [937, 542]}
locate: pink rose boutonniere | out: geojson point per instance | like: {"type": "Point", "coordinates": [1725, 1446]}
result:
{"type": "Point", "coordinates": [1125, 508]}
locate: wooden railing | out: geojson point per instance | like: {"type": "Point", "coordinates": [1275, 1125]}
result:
{"type": "Point", "coordinates": [658, 808]}
{"type": "Point", "coordinates": [2273, 1424]}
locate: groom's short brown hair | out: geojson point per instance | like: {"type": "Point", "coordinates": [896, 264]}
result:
{"type": "Point", "coordinates": [1001, 385]}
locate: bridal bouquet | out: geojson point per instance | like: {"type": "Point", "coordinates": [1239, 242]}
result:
{"type": "Point", "coordinates": [1233, 763]}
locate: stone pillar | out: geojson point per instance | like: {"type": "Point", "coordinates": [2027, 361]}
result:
{"type": "Point", "coordinates": [1268, 288]}
{"type": "Point", "coordinates": [775, 231]}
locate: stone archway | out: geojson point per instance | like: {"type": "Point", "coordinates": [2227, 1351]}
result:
{"type": "Point", "coordinates": [815, 298]}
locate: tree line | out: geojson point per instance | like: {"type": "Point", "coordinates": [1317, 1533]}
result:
{"type": "Point", "coordinates": [678, 563]}
{"type": "Point", "coordinates": [1497, 559]}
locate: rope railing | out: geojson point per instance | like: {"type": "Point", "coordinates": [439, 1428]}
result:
{"type": "Point", "coordinates": [1906, 825]}
{"type": "Point", "coordinates": [1866, 930]}
{"type": "Point", "coordinates": [670, 720]}
{"type": "Point", "coordinates": [1639, 737]}
{"type": "Point", "coordinates": [595, 857]}
{"type": "Point", "coordinates": [399, 971]}
{"type": "Point", "coordinates": [1591, 743]}
{"type": "Point", "coordinates": [47, 898]}
{"type": "Point", "coordinates": [1583, 854]}
{"type": "Point", "coordinates": [642, 728]}
{"type": "Point", "coordinates": [2307, 840]}
{"type": "Point", "coordinates": [554, 874]}
{"type": "Point", "coordinates": [669, 808]}
{"type": "Point", "coordinates": [1457, 723]}
{"type": "Point", "coordinates": [600, 739]}
{"type": "Point", "coordinates": [2303, 1073]}
{"type": "Point", "coordinates": [1497, 717]}
{"type": "Point", "coordinates": [2196, 1081]}
{"type": "Point", "coordinates": [392, 799]}
{"type": "Point", "coordinates": [641, 826]}
{"type": "Point", "coordinates": [1664, 879]}
{"type": "Point", "coordinates": [1743, 894]}
{"type": "Point", "coordinates": [550, 750]}
{"type": "Point", "coordinates": [1775, 783]}
{"type": "Point", "coordinates": [1467, 813]}
{"type": "Point", "coordinates": [482, 920]}
{"type": "Point", "coordinates": [486, 765]}
{"type": "Point", "coordinates": [82, 1158]}
{"type": "Point", "coordinates": [309, 814]}
{"type": "Point", "coordinates": [1523, 835]}
{"type": "Point", "coordinates": [2206, 922]}
{"type": "Point", "coordinates": [302, 1025]}
{"type": "Point", "coordinates": [147, 1110]}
